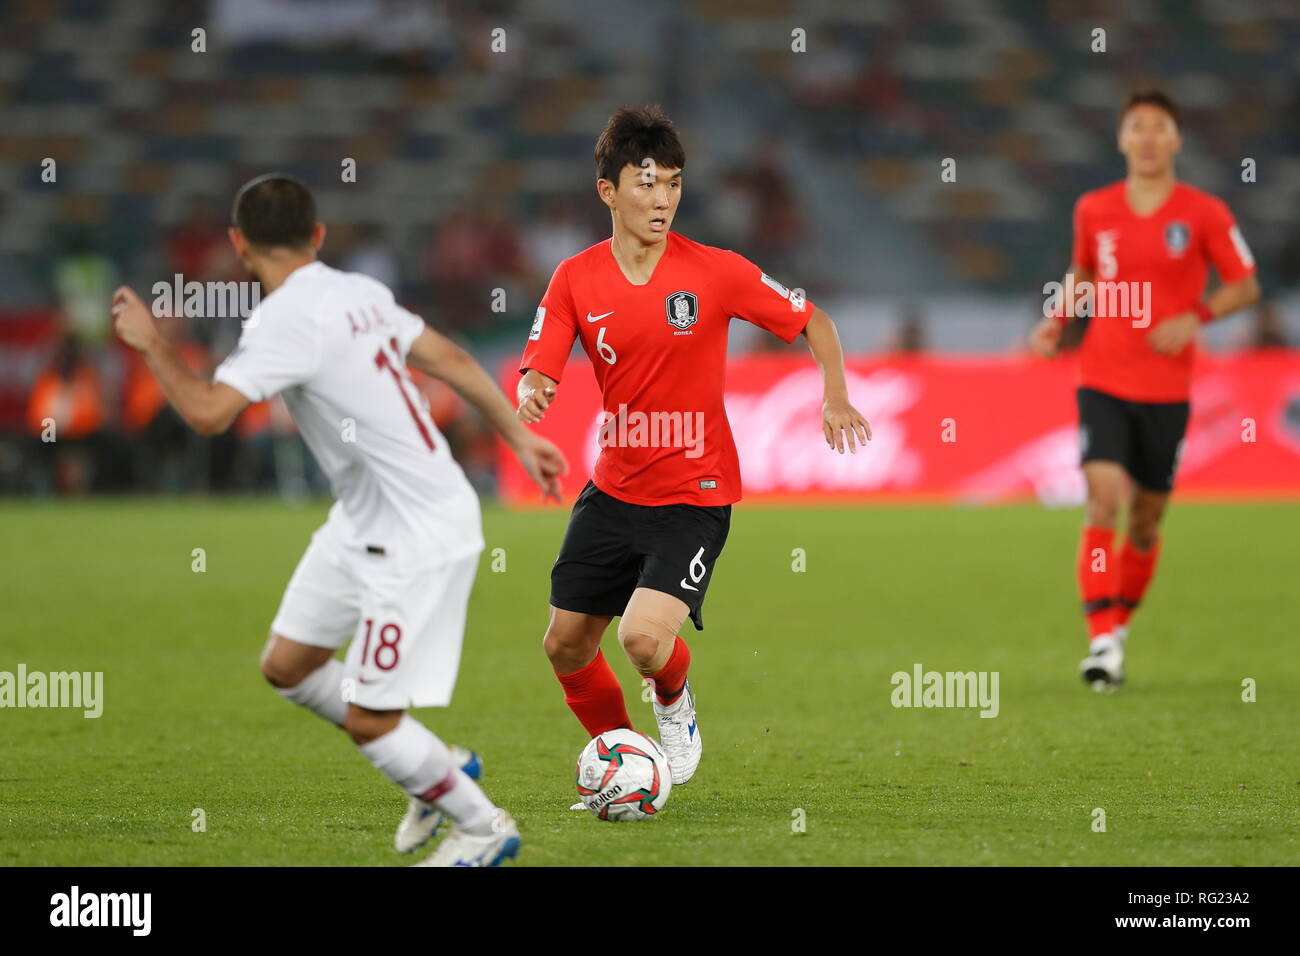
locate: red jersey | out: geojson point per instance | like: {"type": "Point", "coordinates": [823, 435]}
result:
{"type": "Point", "coordinates": [1171, 249]}
{"type": "Point", "coordinates": [659, 351]}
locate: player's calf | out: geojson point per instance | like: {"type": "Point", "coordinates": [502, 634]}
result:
{"type": "Point", "coordinates": [364, 725]}
{"type": "Point", "coordinates": [648, 633]}
{"type": "Point", "coordinates": [591, 689]}
{"type": "Point", "coordinates": [415, 759]}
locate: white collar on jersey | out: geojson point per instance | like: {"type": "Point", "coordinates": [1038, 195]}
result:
{"type": "Point", "coordinates": [303, 270]}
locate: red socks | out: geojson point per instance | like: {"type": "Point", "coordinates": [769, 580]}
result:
{"type": "Point", "coordinates": [670, 679]}
{"type": "Point", "coordinates": [1097, 578]}
{"type": "Point", "coordinates": [1135, 570]}
{"type": "Point", "coordinates": [595, 696]}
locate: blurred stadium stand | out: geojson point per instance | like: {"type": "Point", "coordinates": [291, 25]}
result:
{"type": "Point", "coordinates": [474, 168]}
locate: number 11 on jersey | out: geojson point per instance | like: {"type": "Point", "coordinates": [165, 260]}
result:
{"type": "Point", "coordinates": [397, 368]}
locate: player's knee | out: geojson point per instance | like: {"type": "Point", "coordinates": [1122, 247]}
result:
{"type": "Point", "coordinates": [638, 646]}
{"type": "Point", "coordinates": [364, 726]}
{"type": "Point", "coordinates": [567, 641]}
{"type": "Point", "coordinates": [643, 637]}
{"type": "Point", "coordinates": [1142, 531]}
{"type": "Point", "coordinates": [559, 643]}
{"type": "Point", "coordinates": [1103, 510]}
{"type": "Point", "coordinates": [277, 674]}
{"type": "Point", "coordinates": [1144, 539]}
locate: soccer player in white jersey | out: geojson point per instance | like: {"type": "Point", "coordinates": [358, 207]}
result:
{"type": "Point", "coordinates": [392, 567]}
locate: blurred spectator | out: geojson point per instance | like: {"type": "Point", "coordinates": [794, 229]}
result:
{"type": "Point", "coordinates": [910, 338]}
{"type": "Point", "coordinates": [476, 250]}
{"type": "Point", "coordinates": [757, 212]}
{"type": "Point", "coordinates": [369, 253]}
{"type": "Point", "coordinates": [198, 248]}
{"type": "Point", "coordinates": [166, 455]}
{"type": "Point", "coordinates": [66, 411]}
{"type": "Point", "coordinates": [554, 236]}
{"type": "Point", "coordinates": [84, 280]}
{"type": "Point", "coordinates": [68, 394]}
{"type": "Point", "coordinates": [1267, 327]}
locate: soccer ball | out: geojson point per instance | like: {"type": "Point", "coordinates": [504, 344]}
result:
{"type": "Point", "coordinates": [623, 775]}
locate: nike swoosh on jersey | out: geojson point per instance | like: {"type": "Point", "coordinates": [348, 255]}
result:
{"type": "Point", "coordinates": [685, 585]}
{"type": "Point", "coordinates": [597, 318]}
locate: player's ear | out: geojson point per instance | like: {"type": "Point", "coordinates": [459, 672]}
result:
{"type": "Point", "coordinates": [605, 190]}
{"type": "Point", "coordinates": [317, 236]}
{"type": "Point", "coordinates": [238, 241]}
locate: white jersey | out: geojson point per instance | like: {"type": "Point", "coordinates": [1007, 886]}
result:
{"type": "Point", "coordinates": [334, 345]}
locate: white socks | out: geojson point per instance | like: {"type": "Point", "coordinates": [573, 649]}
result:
{"type": "Point", "coordinates": [413, 757]}
{"type": "Point", "coordinates": [321, 692]}
{"type": "Point", "coordinates": [410, 755]}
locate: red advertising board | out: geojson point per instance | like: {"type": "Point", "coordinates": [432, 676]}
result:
{"type": "Point", "coordinates": [961, 429]}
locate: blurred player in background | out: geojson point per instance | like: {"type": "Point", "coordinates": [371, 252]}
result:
{"type": "Point", "coordinates": [651, 309]}
{"type": "Point", "coordinates": [1147, 232]}
{"type": "Point", "coordinates": [392, 568]}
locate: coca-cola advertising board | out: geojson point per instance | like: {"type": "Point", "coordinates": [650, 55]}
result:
{"type": "Point", "coordinates": [952, 428]}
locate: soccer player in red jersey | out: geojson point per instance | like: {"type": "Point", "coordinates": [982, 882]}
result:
{"type": "Point", "coordinates": [651, 309]}
{"type": "Point", "coordinates": [1145, 246]}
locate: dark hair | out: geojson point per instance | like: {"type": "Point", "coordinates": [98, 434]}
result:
{"type": "Point", "coordinates": [275, 211]}
{"type": "Point", "coordinates": [634, 133]}
{"type": "Point", "coordinates": [1152, 97]}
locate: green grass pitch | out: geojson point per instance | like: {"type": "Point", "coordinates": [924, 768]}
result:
{"type": "Point", "coordinates": [792, 676]}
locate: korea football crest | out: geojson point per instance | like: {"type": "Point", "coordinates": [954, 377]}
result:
{"type": "Point", "coordinates": [682, 308]}
{"type": "Point", "coordinates": [1178, 237]}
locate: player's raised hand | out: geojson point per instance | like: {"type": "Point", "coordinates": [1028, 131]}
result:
{"type": "Point", "coordinates": [132, 320]}
{"type": "Point", "coordinates": [1045, 337]}
{"type": "Point", "coordinates": [544, 462]}
{"type": "Point", "coordinates": [1170, 336]}
{"type": "Point", "coordinates": [535, 394]}
{"type": "Point", "coordinates": [843, 424]}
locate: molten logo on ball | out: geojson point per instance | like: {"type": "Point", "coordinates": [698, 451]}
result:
{"type": "Point", "coordinates": [623, 775]}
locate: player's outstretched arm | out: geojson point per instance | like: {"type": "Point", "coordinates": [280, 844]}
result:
{"type": "Point", "coordinates": [442, 358]}
{"type": "Point", "coordinates": [841, 423]}
{"type": "Point", "coordinates": [208, 407]}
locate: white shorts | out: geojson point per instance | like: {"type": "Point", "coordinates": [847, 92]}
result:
{"type": "Point", "coordinates": [406, 626]}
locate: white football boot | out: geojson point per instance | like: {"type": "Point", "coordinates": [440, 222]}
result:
{"type": "Point", "coordinates": [467, 849]}
{"type": "Point", "coordinates": [679, 736]}
{"type": "Point", "coordinates": [422, 819]}
{"type": "Point", "coordinates": [1103, 668]}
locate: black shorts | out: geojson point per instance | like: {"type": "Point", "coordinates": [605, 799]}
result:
{"type": "Point", "coordinates": [1145, 437]}
{"type": "Point", "coordinates": [612, 548]}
